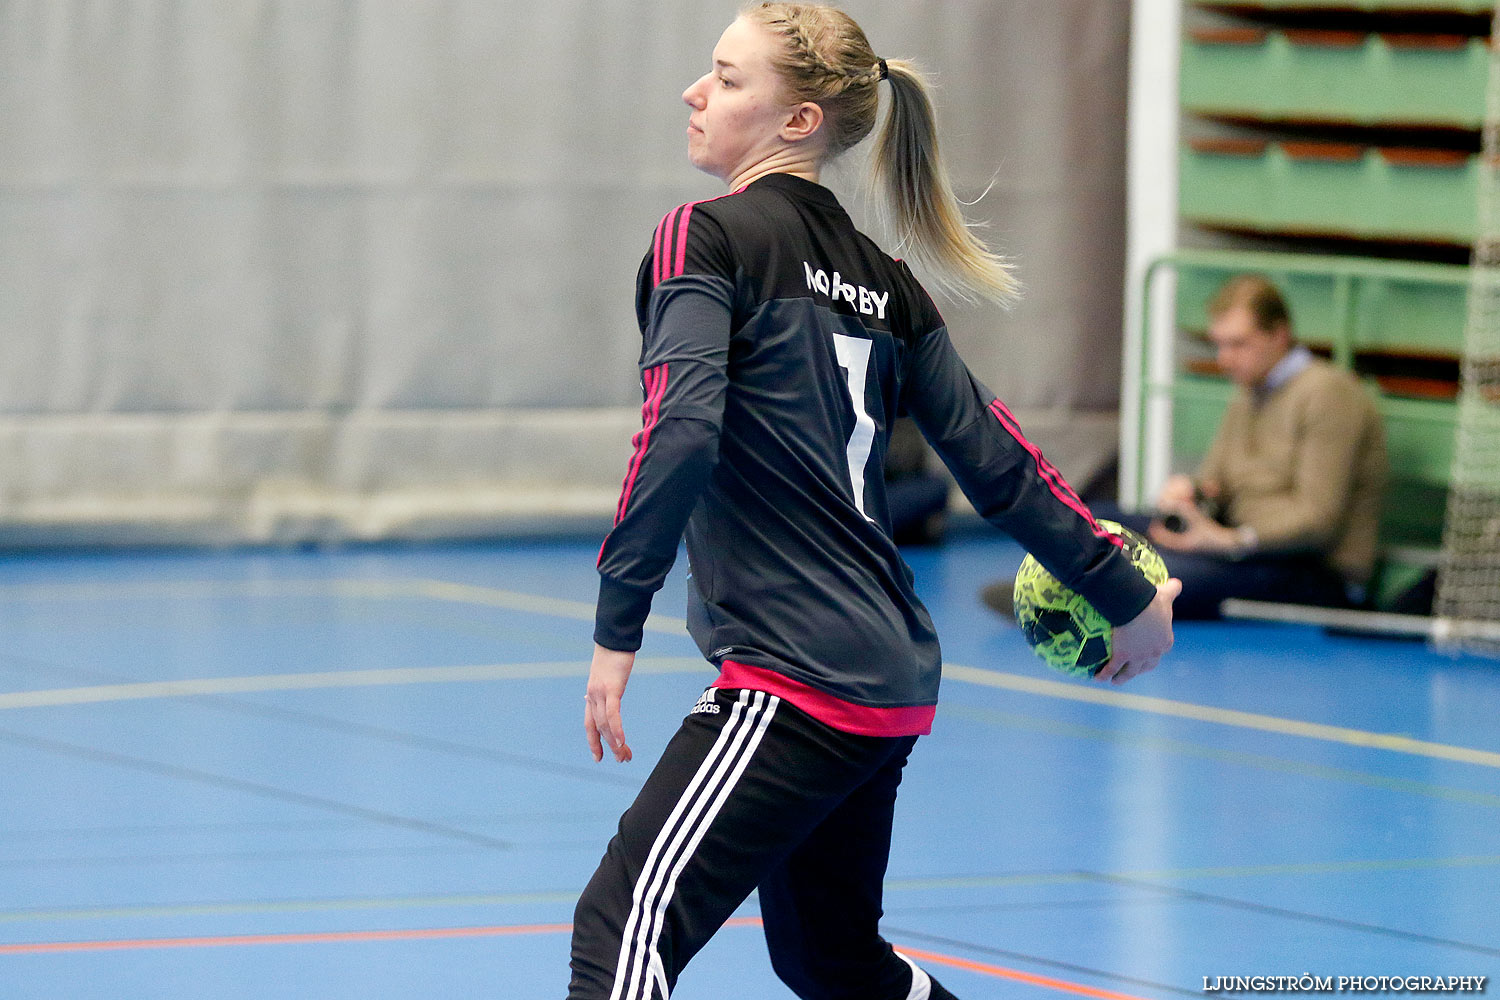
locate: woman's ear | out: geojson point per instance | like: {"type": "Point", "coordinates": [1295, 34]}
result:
{"type": "Point", "coordinates": [803, 122]}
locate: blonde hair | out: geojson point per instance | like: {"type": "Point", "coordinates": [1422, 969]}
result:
{"type": "Point", "coordinates": [829, 62]}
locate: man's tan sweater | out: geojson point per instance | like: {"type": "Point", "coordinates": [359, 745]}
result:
{"type": "Point", "coordinates": [1305, 468]}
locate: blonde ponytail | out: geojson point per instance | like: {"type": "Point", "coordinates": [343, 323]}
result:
{"type": "Point", "coordinates": [925, 213]}
{"type": "Point", "coordinates": [828, 60]}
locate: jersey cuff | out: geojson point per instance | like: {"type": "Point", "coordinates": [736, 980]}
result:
{"type": "Point", "coordinates": [1124, 598]}
{"type": "Point", "coordinates": [620, 615]}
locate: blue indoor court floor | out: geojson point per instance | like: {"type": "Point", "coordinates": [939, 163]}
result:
{"type": "Point", "coordinates": [361, 773]}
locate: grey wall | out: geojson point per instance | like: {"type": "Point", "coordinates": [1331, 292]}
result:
{"type": "Point", "coordinates": [361, 268]}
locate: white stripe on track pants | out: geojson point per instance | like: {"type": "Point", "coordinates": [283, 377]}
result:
{"type": "Point", "coordinates": [751, 793]}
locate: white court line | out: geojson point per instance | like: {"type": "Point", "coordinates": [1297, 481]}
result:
{"type": "Point", "coordinates": [557, 607]}
{"type": "Point", "coordinates": [329, 679]}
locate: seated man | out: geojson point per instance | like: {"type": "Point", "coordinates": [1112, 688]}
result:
{"type": "Point", "coordinates": [1286, 504]}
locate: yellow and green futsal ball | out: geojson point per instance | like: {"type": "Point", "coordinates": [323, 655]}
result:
{"type": "Point", "coordinates": [1062, 627]}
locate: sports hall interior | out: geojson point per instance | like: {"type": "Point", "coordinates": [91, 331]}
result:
{"type": "Point", "coordinates": [317, 387]}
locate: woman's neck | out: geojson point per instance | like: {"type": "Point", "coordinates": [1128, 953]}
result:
{"type": "Point", "coordinates": [798, 166]}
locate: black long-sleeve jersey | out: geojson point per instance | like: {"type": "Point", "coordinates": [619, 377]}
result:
{"type": "Point", "coordinates": [780, 345]}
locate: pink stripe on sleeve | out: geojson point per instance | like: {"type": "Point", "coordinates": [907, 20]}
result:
{"type": "Point", "coordinates": [656, 387]}
{"type": "Point", "coordinates": [679, 265]}
{"type": "Point", "coordinates": [656, 249]}
{"type": "Point", "coordinates": [640, 441]}
{"type": "Point", "coordinates": [670, 243]}
{"type": "Point", "coordinates": [1054, 479]}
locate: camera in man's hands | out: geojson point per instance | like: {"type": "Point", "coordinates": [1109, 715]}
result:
{"type": "Point", "coordinates": [1212, 508]}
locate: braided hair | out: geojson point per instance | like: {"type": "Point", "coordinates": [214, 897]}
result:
{"type": "Point", "coordinates": [827, 60]}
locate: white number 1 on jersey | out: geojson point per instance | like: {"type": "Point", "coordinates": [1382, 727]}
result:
{"type": "Point", "coordinates": [854, 357]}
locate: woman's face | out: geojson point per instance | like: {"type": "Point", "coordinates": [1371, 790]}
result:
{"type": "Point", "coordinates": [739, 107]}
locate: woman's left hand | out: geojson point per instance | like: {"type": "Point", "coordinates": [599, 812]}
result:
{"type": "Point", "coordinates": [601, 703]}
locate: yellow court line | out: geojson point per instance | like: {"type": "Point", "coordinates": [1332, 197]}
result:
{"type": "Point", "coordinates": [97, 590]}
{"type": "Point", "coordinates": [584, 611]}
{"type": "Point", "coordinates": [389, 589]}
{"type": "Point", "coordinates": [1037, 686]}
{"type": "Point", "coordinates": [892, 885]}
{"type": "Point", "coordinates": [1220, 716]}
{"type": "Point", "coordinates": [329, 679]}
{"type": "Point", "coordinates": [513, 600]}
{"type": "Point", "coordinates": [1277, 764]}
{"type": "Point", "coordinates": [221, 909]}
{"type": "Point", "coordinates": [1350, 867]}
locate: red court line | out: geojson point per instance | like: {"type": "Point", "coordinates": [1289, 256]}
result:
{"type": "Point", "coordinates": [510, 930]}
{"type": "Point", "coordinates": [1015, 975]}
{"type": "Point", "coordinates": [313, 937]}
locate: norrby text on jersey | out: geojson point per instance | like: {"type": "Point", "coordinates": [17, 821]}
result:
{"type": "Point", "coordinates": [868, 301]}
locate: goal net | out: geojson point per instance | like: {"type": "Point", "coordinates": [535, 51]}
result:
{"type": "Point", "coordinates": [1467, 606]}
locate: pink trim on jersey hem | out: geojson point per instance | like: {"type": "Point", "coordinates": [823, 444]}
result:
{"type": "Point", "coordinates": [1054, 479]}
{"type": "Point", "coordinates": [861, 720]}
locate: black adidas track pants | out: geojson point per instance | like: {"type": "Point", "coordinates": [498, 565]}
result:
{"type": "Point", "coordinates": [751, 793]}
